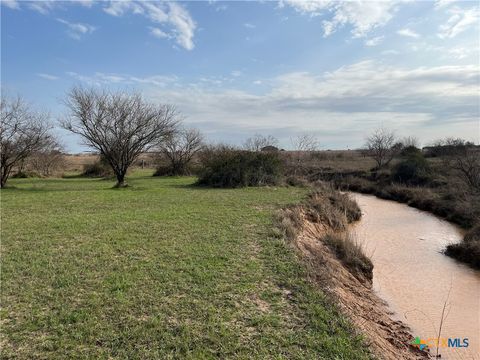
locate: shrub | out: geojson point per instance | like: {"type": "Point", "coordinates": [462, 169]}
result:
{"type": "Point", "coordinates": [410, 151]}
{"type": "Point", "coordinates": [227, 167]}
{"type": "Point", "coordinates": [414, 170]}
{"type": "Point", "coordinates": [468, 250]}
{"type": "Point", "coordinates": [24, 174]}
{"type": "Point", "coordinates": [99, 168]}
{"type": "Point", "coordinates": [299, 181]}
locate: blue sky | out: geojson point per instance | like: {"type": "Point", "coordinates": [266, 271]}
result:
{"type": "Point", "coordinates": [333, 69]}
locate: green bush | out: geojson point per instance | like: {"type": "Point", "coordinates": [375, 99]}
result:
{"type": "Point", "coordinates": [413, 170]}
{"type": "Point", "coordinates": [25, 174]}
{"type": "Point", "coordinates": [99, 168]}
{"type": "Point", "coordinates": [467, 250]}
{"type": "Point", "coordinates": [227, 167]}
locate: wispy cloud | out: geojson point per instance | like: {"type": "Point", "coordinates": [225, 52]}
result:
{"type": "Point", "coordinates": [47, 76]}
{"type": "Point", "coordinates": [158, 33]}
{"type": "Point", "coordinates": [77, 30]}
{"type": "Point", "coordinates": [409, 33]}
{"type": "Point", "coordinates": [356, 97]}
{"type": "Point", "coordinates": [12, 4]}
{"type": "Point", "coordinates": [374, 41]}
{"type": "Point", "coordinates": [439, 4]}
{"type": "Point", "coordinates": [100, 78]}
{"type": "Point", "coordinates": [44, 6]}
{"type": "Point", "coordinates": [249, 26]}
{"type": "Point", "coordinates": [459, 21]}
{"type": "Point", "coordinates": [177, 21]}
{"type": "Point", "coordinates": [362, 15]}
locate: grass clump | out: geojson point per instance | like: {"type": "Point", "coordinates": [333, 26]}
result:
{"type": "Point", "coordinates": [350, 253]}
{"type": "Point", "coordinates": [333, 208]}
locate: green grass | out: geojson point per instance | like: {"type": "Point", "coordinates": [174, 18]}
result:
{"type": "Point", "coordinates": [157, 270]}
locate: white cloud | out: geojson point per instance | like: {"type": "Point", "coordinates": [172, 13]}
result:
{"type": "Point", "coordinates": [390, 52]}
{"type": "Point", "coordinates": [12, 4]}
{"type": "Point", "coordinates": [236, 73]}
{"type": "Point", "coordinates": [77, 30]}
{"type": "Point", "coordinates": [86, 3]}
{"type": "Point", "coordinates": [408, 33]}
{"type": "Point", "coordinates": [439, 4]}
{"type": "Point", "coordinates": [249, 26]}
{"type": "Point", "coordinates": [172, 15]}
{"type": "Point", "coordinates": [340, 106]}
{"type": "Point", "coordinates": [100, 78]}
{"type": "Point", "coordinates": [159, 33]}
{"type": "Point", "coordinates": [47, 76]}
{"type": "Point", "coordinates": [374, 41]}
{"type": "Point", "coordinates": [184, 26]}
{"type": "Point", "coordinates": [362, 15]}
{"type": "Point", "coordinates": [119, 8]}
{"type": "Point", "coordinates": [43, 7]}
{"type": "Point", "coordinates": [459, 21]}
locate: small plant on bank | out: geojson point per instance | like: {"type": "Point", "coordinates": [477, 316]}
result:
{"type": "Point", "coordinates": [350, 253]}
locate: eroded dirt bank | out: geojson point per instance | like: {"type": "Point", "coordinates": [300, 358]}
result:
{"type": "Point", "coordinates": [307, 226]}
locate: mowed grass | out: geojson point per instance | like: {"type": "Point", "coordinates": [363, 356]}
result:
{"type": "Point", "coordinates": [160, 270]}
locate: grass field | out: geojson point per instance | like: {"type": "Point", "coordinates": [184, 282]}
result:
{"type": "Point", "coordinates": [158, 270]}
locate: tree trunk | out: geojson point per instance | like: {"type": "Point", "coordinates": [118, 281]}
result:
{"type": "Point", "coordinates": [5, 173]}
{"type": "Point", "coordinates": [120, 180]}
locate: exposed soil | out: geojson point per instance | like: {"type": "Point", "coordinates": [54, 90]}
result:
{"type": "Point", "coordinates": [387, 338]}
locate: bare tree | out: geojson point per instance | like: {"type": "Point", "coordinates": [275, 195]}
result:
{"type": "Point", "coordinates": [180, 148]}
{"type": "Point", "coordinates": [305, 142]}
{"type": "Point", "coordinates": [119, 125]}
{"type": "Point", "coordinates": [410, 141]}
{"type": "Point", "coordinates": [464, 158]}
{"type": "Point", "coordinates": [22, 132]}
{"type": "Point", "coordinates": [49, 158]}
{"type": "Point", "coordinates": [303, 145]}
{"type": "Point", "coordinates": [258, 142]}
{"type": "Point", "coordinates": [382, 146]}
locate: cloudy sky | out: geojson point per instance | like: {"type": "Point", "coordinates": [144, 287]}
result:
{"type": "Point", "coordinates": [329, 68]}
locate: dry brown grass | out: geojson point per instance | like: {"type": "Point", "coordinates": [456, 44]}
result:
{"type": "Point", "coordinates": [334, 211]}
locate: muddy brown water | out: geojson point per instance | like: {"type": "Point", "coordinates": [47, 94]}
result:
{"type": "Point", "coordinates": [416, 279]}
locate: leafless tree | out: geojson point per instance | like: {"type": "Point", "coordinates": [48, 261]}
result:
{"type": "Point", "coordinates": [303, 145]}
{"type": "Point", "coordinates": [180, 148]}
{"type": "Point", "coordinates": [382, 146]}
{"type": "Point", "coordinates": [305, 142]}
{"type": "Point", "coordinates": [22, 132]}
{"type": "Point", "coordinates": [49, 158]}
{"type": "Point", "coordinates": [119, 125]}
{"type": "Point", "coordinates": [257, 142]}
{"type": "Point", "coordinates": [465, 160]}
{"type": "Point", "coordinates": [410, 141]}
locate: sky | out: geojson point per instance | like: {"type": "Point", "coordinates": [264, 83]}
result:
{"type": "Point", "coordinates": [333, 69]}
